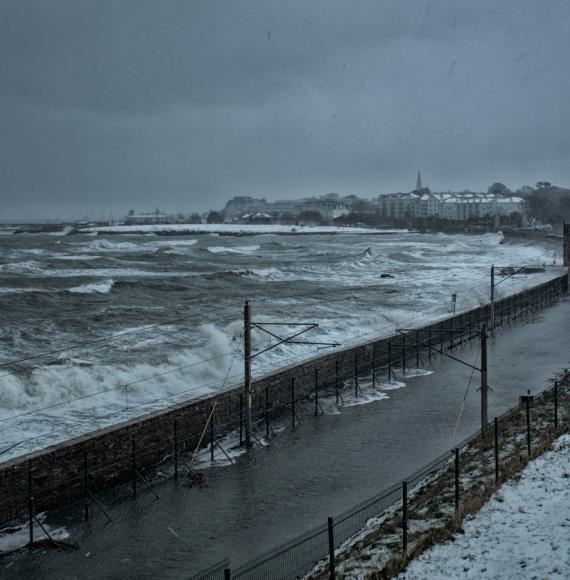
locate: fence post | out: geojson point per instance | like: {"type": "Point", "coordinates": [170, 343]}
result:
{"type": "Point", "coordinates": [417, 349]}
{"type": "Point", "coordinates": [332, 562]}
{"type": "Point", "coordinates": [429, 344]}
{"type": "Point", "coordinates": [316, 391]}
{"type": "Point", "coordinates": [30, 505]}
{"type": "Point", "coordinates": [212, 437]}
{"type": "Point", "coordinates": [267, 412]}
{"type": "Point", "coordinates": [356, 373]}
{"type": "Point", "coordinates": [85, 488]}
{"type": "Point", "coordinates": [175, 448]}
{"type": "Point", "coordinates": [404, 354]}
{"type": "Point", "coordinates": [528, 424]}
{"type": "Point", "coordinates": [227, 574]}
{"type": "Point", "coordinates": [337, 378]}
{"type": "Point", "coordinates": [374, 365]}
{"type": "Point", "coordinates": [389, 361]}
{"type": "Point", "coordinates": [555, 404]}
{"type": "Point", "coordinates": [456, 478]}
{"type": "Point", "coordinates": [405, 518]}
{"type": "Point", "coordinates": [241, 419]}
{"type": "Point", "coordinates": [496, 450]}
{"type": "Point", "coordinates": [293, 401]}
{"type": "Point", "coordinates": [134, 467]}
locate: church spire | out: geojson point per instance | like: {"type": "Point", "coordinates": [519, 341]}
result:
{"type": "Point", "coordinates": [419, 182]}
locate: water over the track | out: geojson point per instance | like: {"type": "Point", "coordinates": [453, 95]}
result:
{"type": "Point", "coordinates": [62, 290]}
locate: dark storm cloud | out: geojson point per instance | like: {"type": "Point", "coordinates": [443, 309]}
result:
{"type": "Point", "coordinates": [108, 105]}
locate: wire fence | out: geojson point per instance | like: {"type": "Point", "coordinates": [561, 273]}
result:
{"type": "Point", "coordinates": [178, 443]}
{"type": "Point", "coordinates": [397, 521]}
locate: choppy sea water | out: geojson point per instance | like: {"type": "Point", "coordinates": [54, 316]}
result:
{"type": "Point", "coordinates": [167, 313]}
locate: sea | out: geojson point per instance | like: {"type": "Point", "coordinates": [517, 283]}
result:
{"type": "Point", "coordinates": [99, 329]}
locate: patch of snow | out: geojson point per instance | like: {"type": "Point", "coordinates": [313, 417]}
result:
{"type": "Point", "coordinates": [522, 532]}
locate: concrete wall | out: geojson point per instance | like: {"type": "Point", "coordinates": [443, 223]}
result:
{"type": "Point", "coordinates": [58, 474]}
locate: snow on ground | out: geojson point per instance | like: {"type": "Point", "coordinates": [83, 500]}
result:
{"type": "Point", "coordinates": [522, 532]}
{"type": "Point", "coordinates": [234, 229]}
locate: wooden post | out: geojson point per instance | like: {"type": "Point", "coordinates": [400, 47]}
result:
{"type": "Point", "coordinates": [337, 380]}
{"type": "Point", "coordinates": [85, 488]}
{"type": "Point", "coordinates": [212, 436]}
{"type": "Point", "coordinates": [374, 365]}
{"type": "Point", "coordinates": [555, 404]}
{"type": "Point", "coordinates": [30, 505]}
{"type": "Point", "coordinates": [267, 412]}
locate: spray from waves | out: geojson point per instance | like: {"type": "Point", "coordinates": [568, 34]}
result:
{"type": "Point", "coordinates": [232, 250]}
{"type": "Point", "coordinates": [199, 370]}
{"type": "Point", "coordinates": [103, 287]}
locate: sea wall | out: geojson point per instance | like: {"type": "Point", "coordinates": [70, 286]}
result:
{"type": "Point", "coordinates": [74, 470]}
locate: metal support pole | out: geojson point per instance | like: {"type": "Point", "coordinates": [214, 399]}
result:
{"type": "Point", "coordinates": [332, 562]}
{"type": "Point", "coordinates": [456, 478]}
{"type": "Point", "coordinates": [267, 412]}
{"type": "Point", "coordinates": [337, 380]}
{"type": "Point", "coordinates": [175, 425]}
{"type": "Point", "coordinates": [493, 299]}
{"type": "Point", "coordinates": [212, 436]}
{"type": "Point", "coordinates": [247, 370]}
{"type": "Point", "coordinates": [316, 391]}
{"type": "Point", "coordinates": [374, 365]}
{"type": "Point", "coordinates": [451, 334]}
{"type": "Point", "coordinates": [555, 404]}
{"type": "Point", "coordinates": [528, 424]}
{"type": "Point", "coordinates": [356, 373]}
{"type": "Point", "coordinates": [496, 450]}
{"type": "Point", "coordinates": [134, 467]}
{"type": "Point", "coordinates": [484, 393]}
{"type": "Point", "coordinates": [85, 488]}
{"type": "Point", "coordinates": [417, 349]}
{"type": "Point", "coordinates": [405, 518]}
{"type": "Point", "coordinates": [241, 419]}
{"type": "Point", "coordinates": [293, 401]}
{"type": "Point", "coordinates": [403, 354]}
{"type": "Point", "coordinates": [30, 506]}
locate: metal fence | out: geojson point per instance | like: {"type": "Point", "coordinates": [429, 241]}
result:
{"type": "Point", "coordinates": [431, 497]}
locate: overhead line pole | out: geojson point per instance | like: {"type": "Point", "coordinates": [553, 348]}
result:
{"type": "Point", "coordinates": [247, 370]}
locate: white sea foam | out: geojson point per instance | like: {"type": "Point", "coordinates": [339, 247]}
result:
{"type": "Point", "coordinates": [103, 287]}
{"type": "Point", "coordinates": [232, 249]}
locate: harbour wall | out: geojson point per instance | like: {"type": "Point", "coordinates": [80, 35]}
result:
{"type": "Point", "coordinates": [77, 469]}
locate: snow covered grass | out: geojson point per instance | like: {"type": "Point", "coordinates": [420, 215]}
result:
{"type": "Point", "coordinates": [515, 521]}
{"type": "Point", "coordinates": [523, 532]}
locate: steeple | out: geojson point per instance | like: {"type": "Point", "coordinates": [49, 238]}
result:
{"type": "Point", "coordinates": [419, 182]}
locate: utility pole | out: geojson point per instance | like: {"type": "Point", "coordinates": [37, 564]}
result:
{"type": "Point", "coordinates": [247, 370]}
{"type": "Point", "coordinates": [248, 324]}
{"type": "Point", "coordinates": [493, 300]}
{"type": "Point", "coordinates": [484, 386]}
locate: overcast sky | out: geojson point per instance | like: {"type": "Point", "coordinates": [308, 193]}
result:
{"type": "Point", "coordinates": [106, 105]}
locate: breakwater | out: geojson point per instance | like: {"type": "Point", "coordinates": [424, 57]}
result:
{"type": "Point", "coordinates": [71, 471]}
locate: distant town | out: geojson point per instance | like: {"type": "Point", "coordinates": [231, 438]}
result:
{"type": "Point", "coordinates": [542, 207]}
{"type": "Point", "coordinates": [538, 206]}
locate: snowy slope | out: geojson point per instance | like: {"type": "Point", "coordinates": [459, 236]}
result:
{"type": "Point", "coordinates": [523, 532]}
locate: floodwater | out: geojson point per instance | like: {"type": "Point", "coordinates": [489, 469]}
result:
{"type": "Point", "coordinates": [328, 464]}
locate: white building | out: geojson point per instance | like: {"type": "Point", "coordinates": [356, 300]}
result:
{"type": "Point", "coordinates": [329, 209]}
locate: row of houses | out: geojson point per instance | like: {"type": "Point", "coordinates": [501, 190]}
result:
{"type": "Point", "coordinates": [451, 206]}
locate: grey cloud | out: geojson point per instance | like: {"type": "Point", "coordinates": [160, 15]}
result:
{"type": "Point", "coordinates": [107, 105]}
